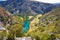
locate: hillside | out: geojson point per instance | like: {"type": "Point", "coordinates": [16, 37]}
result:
{"type": "Point", "coordinates": [50, 17]}
{"type": "Point", "coordinates": [49, 24]}
{"type": "Point", "coordinates": [19, 6]}
{"type": "Point", "coordinates": [7, 19]}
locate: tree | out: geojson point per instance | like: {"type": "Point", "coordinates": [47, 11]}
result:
{"type": "Point", "coordinates": [51, 37]}
{"type": "Point", "coordinates": [3, 34]}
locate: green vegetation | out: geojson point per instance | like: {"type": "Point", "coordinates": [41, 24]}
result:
{"type": "Point", "coordinates": [3, 34]}
{"type": "Point", "coordinates": [48, 26]}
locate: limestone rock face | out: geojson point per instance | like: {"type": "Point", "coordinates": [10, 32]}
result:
{"type": "Point", "coordinates": [34, 23]}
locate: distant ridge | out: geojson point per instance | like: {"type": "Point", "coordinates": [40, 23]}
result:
{"type": "Point", "coordinates": [19, 6]}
